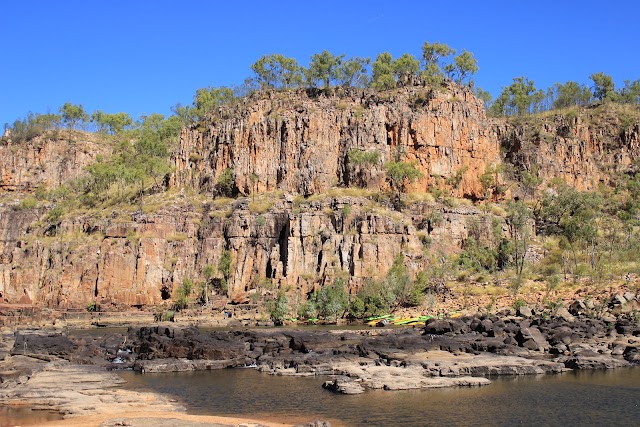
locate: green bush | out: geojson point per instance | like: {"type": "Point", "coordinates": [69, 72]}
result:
{"type": "Point", "coordinates": [181, 300]}
{"type": "Point", "coordinates": [28, 202]}
{"type": "Point", "coordinates": [225, 183]}
{"type": "Point", "coordinates": [55, 214]}
{"type": "Point", "coordinates": [331, 301]}
{"type": "Point", "coordinates": [308, 310]}
{"type": "Point", "coordinates": [519, 303]}
{"type": "Point", "coordinates": [356, 308]}
{"type": "Point", "coordinates": [278, 309]}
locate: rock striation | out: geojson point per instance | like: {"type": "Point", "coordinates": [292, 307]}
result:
{"type": "Point", "coordinates": [299, 142]}
{"type": "Point", "coordinates": [311, 221]}
{"type": "Point", "coordinates": [48, 160]}
{"type": "Point", "coordinates": [583, 149]}
{"type": "Point", "coordinates": [141, 259]}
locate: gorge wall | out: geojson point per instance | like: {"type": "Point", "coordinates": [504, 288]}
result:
{"type": "Point", "coordinates": [48, 160]}
{"type": "Point", "coordinates": [291, 151]}
{"type": "Point", "coordinates": [299, 142]}
{"type": "Point", "coordinates": [584, 149]}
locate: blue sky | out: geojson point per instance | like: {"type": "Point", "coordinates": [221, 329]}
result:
{"type": "Point", "coordinates": [145, 56]}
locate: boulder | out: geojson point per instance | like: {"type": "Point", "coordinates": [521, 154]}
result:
{"type": "Point", "coordinates": [343, 385]}
{"type": "Point", "coordinates": [617, 300]}
{"type": "Point", "coordinates": [437, 326]}
{"type": "Point", "coordinates": [577, 308]}
{"type": "Point", "coordinates": [525, 311]}
{"type": "Point", "coordinates": [564, 314]}
{"type": "Point", "coordinates": [532, 339]}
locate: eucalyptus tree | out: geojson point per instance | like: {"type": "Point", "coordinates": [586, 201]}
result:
{"type": "Point", "coordinates": [324, 68]}
{"type": "Point", "coordinates": [383, 72]}
{"type": "Point", "coordinates": [354, 72]}
{"type": "Point", "coordinates": [277, 71]}
{"type": "Point", "coordinates": [405, 68]}
{"type": "Point", "coordinates": [465, 65]}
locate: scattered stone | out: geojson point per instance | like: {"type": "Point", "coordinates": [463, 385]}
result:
{"type": "Point", "coordinates": [525, 311]}
{"type": "Point", "coordinates": [578, 308]}
{"type": "Point", "coordinates": [564, 314]}
{"type": "Point", "coordinates": [343, 386]}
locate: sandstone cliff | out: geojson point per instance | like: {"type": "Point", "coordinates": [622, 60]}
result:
{"type": "Point", "coordinates": [141, 259]}
{"type": "Point", "coordinates": [583, 148]}
{"type": "Point", "coordinates": [49, 160]}
{"type": "Point", "coordinates": [290, 150]}
{"type": "Point", "coordinates": [298, 142]}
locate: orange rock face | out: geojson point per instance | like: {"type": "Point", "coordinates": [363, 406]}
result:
{"type": "Point", "coordinates": [584, 150]}
{"type": "Point", "coordinates": [298, 144]}
{"type": "Point", "coordinates": [48, 160]}
{"type": "Point", "coordinates": [301, 145]}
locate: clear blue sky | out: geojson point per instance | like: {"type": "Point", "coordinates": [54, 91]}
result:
{"type": "Point", "coordinates": [145, 56]}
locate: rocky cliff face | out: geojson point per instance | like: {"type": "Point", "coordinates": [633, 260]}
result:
{"type": "Point", "coordinates": [141, 259]}
{"type": "Point", "coordinates": [583, 149]}
{"type": "Point", "coordinates": [48, 160]}
{"type": "Point", "coordinates": [291, 151]}
{"type": "Point", "coordinates": [298, 142]}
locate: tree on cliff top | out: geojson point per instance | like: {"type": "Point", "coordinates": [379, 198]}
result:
{"type": "Point", "coordinates": [111, 123]}
{"type": "Point", "coordinates": [324, 67]}
{"type": "Point", "coordinates": [353, 72]}
{"type": "Point", "coordinates": [465, 65]}
{"type": "Point", "coordinates": [383, 72]}
{"type": "Point", "coordinates": [406, 68]}
{"type": "Point", "coordinates": [603, 87]}
{"type": "Point", "coordinates": [432, 54]}
{"type": "Point", "coordinates": [519, 98]}
{"type": "Point", "coordinates": [277, 72]}
{"type": "Point", "coordinates": [73, 115]}
{"type": "Point", "coordinates": [569, 94]}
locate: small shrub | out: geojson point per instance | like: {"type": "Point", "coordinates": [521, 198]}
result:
{"type": "Point", "coordinates": [55, 214]}
{"type": "Point", "coordinates": [91, 307]}
{"type": "Point", "coordinates": [225, 183]}
{"type": "Point", "coordinates": [261, 206]}
{"type": "Point", "coordinates": [356, 308]}
{"type": "Point", "coordinates": [278, 309]}
{"type": "Point", "coordinates": [519, 303]}
{"type": "Point", "coordinates": [182, 298]}
{"type": "Point", "coordinates": [28, 202]}
{"type": "Point", "coordinates": [164, 316]}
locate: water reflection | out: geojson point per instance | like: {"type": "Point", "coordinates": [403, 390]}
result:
{"type": "Point", "coordinates": [10, 416]}
{"type": "Point", "coordinates": [586, 398]}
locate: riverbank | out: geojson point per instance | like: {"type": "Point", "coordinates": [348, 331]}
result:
{"type": "Point", "coordinates": [72, 371]}
{"type": "Point", "coordinates": [86, 395]}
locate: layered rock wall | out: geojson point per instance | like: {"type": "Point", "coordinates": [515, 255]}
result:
{"type": "Point", "coordinates": [140, 259]}
{"type": "Point", "coordinates": [48, 160]}
{"type": "Point", "coordinates": [299, 142]}
{"type": "Point", "coordinates": [282, 148]}
{"type": "Point", "coordinates": [584, 149]}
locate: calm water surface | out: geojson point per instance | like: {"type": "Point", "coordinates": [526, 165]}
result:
{"type": "Point", "coordinates": [605, 398]}
{"type": "Point", "coordinates": [12, 416]}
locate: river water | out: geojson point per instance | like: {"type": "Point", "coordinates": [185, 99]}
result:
{"type": "Point", "coordinates": [586, 398]}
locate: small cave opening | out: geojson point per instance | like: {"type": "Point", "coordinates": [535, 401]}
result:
{"type": "Point", "coordinates": [269, 271]}
{"type": "Point", "coordinates": [165, 293]}
{"type": "Point", "coordinates": [283, 241]}
{"type": "Point", "coordinates": [319, 262]}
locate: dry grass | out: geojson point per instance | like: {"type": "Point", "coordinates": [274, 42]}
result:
{"type": "Point", "coordinates": [419, 197]}
{"type": "Point", "coordinates": [261, 205]}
